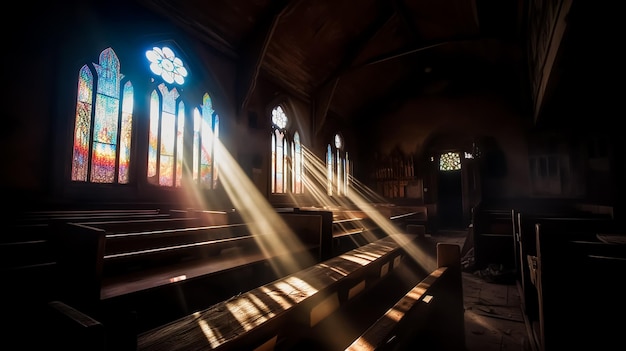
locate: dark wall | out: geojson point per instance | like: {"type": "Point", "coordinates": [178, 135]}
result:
{"type": "Point", "coordinates": [445, 115]}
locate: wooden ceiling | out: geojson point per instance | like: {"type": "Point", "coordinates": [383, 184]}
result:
{"type": "Point", "coordinates": [350, 57]}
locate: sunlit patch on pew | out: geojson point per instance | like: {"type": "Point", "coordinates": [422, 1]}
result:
{"type": "Point", "coordinates": [356, 259]}
{"type": "Point", "coordinates": [396, 261]}
{"type": "Point", "coordinates": [211, 338]}
{"type": "Point", "coordinates": [249, 311]}
{"type": "Point", "coordinates": [324, 308]}
{"type": "Point", "coordinates": [355, 290]}
{"type": "Point", "coordinates": [178, 278]}
{"type": "Point", "coordinates": [384, 269]}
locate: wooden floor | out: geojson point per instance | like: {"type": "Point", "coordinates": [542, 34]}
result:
{"type": "Point", "coordinates": [493, 308]}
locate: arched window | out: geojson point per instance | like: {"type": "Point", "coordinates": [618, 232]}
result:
{"type": "Point", "coordinates": [329, 170]}
{"type": "Point", "coordinates": [298, 165]}
{"type": "Point", "coordinates": [167, 122]}
{"type": "Point", "coordinates": [103, 126]}
{"type": "Point", "coordinates": [166, 136]}
{"type": "Point", "coordinates": [337, 167]}
{"type": "Point", "coordinates": [167, 119]}
{"type": "Point", "coordinates": [103, 123]}
{"type": "Point", "coordinates": [279, 150]}
{"type": "Point", "coordinates": [287, 163]}
{"type": "Point", "coordinates": [205, 134]}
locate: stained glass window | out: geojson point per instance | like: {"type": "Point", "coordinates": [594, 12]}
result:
{"type": "Point", "coordinates": [287, 163]}
{"type": "Point", "coordinates": [165, 138]}
{"type": "Point", "coordinates": [450, 161]}
{"type": "Point", "coordinates": [103, 123]}
{"type": "Point", "coordinates": [279, 150]}
{"type": "Point", "coordinates": [329, 170]}
{"type": "Point", "coordinates": [102, 144]}
{"type": "Point", "coordinates": [206, 128]}
{"type": "Point", "coordinates": [164, 63]}
{"type": "Point", "coordinates": [297, 165]}
{"type": "Point", "coordinates": [338, 167]}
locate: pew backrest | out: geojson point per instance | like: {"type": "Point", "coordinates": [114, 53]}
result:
{"type": "Point", "coordinates": [433, 307]}
{"type": "Point", "coordinates": [263, 316]}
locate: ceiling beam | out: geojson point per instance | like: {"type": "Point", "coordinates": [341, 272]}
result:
{"type": "Point", "coordinates": [323, 95]}
{"type": "Point", "coordinates": [252, 52]}
{"type": "Point", "coordinates": [203, 32]}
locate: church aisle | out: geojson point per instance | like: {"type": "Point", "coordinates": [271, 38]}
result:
{"type": "Point", "coordinates": [494, 319]}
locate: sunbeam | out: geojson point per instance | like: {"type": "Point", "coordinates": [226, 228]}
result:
{"type": "Point", "coordinates": [361, 197]}
{"type": "Point", "coordinates": [272, 234]}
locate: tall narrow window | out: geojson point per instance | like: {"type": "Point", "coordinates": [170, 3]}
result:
{"type": "Point", "coordinates": [338, 167]}
{"type": "Point", "coordinates": [329, 170]}
{"type": "Point", "coordinates": [103, 123]}
{"type": "Point", "coordinates": [206, 129]}
{"type": "Point", "coordinates": [279, 150]}
{"type": "Point", "coordinates": [297, 165]}
{"type": "Point", "coordinates": [167, 121]}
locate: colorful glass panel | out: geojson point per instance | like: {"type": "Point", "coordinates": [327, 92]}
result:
{"type": "Point", "coordinates": [99, 128]}
{"type": "Point", "coordinates": [216, 136]}
{"type": "Point", "coordinates": [329, 170]}
{"type": "Point", "coordinates": [197, 121]}
{"type": "Point", "coordinates": [166, 154]}
{"type": "Point", "coordinates": [82, 127]}
{"type": "Point", "coordinates": [298, 164]}
{"type": "Point", "coordinates": [165, 63]}
{"type": "Point", "coordinates": [280, 159]}
{"type": "Point", "coordinates": [273, 177]}
{"type": "Point", "coordinates": [206, 150]}
{"type": "Point", "coordinates": [450, 161]}
{"type": "Point", "coordinates": [126, 133]}
{"type": "Point", "coordinates": [338, 170]}
{"type": "Point", "coordinates": [179, 143]}
{"type": "Point", "coordinates": [153, 137]}
{"type": "Point", "coordinates": [104, 139]}
{"type": "Point", "coordinates": [279, 118]}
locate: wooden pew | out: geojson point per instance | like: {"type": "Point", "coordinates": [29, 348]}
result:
{"type": "Point", "coordinates": [29, 239]}
{"type": "Point", "coordinates": [146, 275]}
{"type": "Point", "coordinates": [351, 229]}
{"type": "Point", "coordinates": [29, 258]}
{"type": "Point", "coordinates": [270, 315]}
{"type": "Point", "coordinates": [429, 316]}
{"type": "Point", "coordinates": [104, 253]}
{"type": "Point", "coordinates": [580, 289]}
{"type": "Point", "coordinates": [576, 224]}
{"type": "Point", "coordinates": [494, 242]}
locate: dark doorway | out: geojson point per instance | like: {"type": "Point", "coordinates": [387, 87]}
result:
{"type": "Point", "coordinates": [450, 200]}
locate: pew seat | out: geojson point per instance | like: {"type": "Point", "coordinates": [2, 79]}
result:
{"type": "Point", "coordinates": [266, 316]}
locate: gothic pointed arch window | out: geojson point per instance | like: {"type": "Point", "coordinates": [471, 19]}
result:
{"type": "Point", "coordinates": [279, 150]}
{"type": "Point", "coordinates": [102, 145]}
{"type": "Point", "coordinates": [103, 123]}
{"type": "Point", "coordinates": [167, 118]}
{"type": "Point", "coordinates": [205, 134]}
{"type": "Point", "coordinates": [287, 168]}
{"type": "Point", "coordinates": [167, 126]}
{"type": "Point", "coordinates": [337, 167]}
{"type": "Point", "coordinates": [298, 165]}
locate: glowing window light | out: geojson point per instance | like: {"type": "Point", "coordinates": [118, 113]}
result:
{"type": "Point", "coordinates": [279, 118]}
{"type": "Point", "coordinates": [450, 161]}
{"type": "Point", "coordinates": [102, 134]}
{"type": "Point", "coordinates": [163, 62]}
